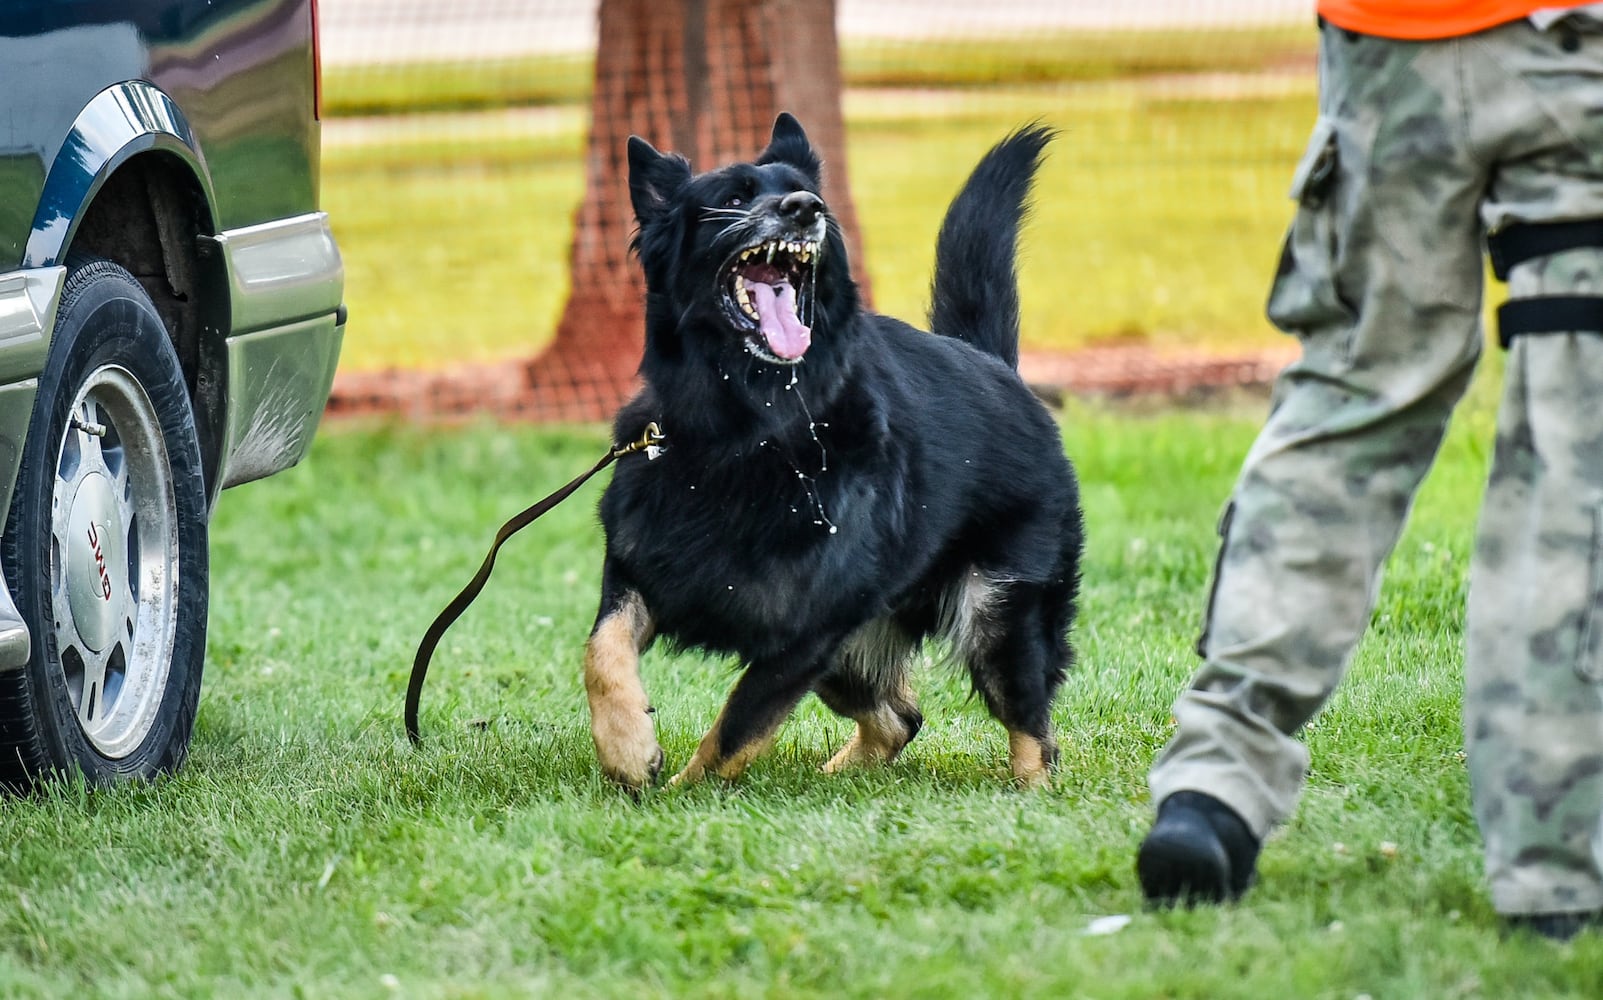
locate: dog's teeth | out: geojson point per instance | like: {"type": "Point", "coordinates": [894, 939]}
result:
{"type": "Point", "coordinates": [744, 298]}
{"type": "Point", "coordinates": [772, 248]}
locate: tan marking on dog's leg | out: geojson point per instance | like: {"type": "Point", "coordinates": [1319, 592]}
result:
{"type": "Point", "coordinates": [1032, 758]}
{"type": "Point", "coordinates": [706, 753]}
{"type": "Point", "coordinates": [620, 723]}
{"type": "Point", "coordinates": [706, 760]}
{"type": "Point", "coordinates": [881, 734]}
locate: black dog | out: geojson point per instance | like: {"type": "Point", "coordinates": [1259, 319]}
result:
{"type": "Point", "coordinates": [836, 485]}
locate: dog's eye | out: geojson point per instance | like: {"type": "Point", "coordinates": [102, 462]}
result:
{"type": "Point", "coordinates": [740, 192]}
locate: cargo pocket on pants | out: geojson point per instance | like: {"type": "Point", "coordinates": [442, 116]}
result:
{"type": "Point", "coordinates": [1588, 661]}
{"type": "Point", "coordinates": [1213, 585]}
{"type": "Point", "coordinates": [1304, 296]}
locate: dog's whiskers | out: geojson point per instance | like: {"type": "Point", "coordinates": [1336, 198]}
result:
{"type": "Point", "coordinates": [735, 227]}
{"type": "Point", "coordinates": [738, 218]}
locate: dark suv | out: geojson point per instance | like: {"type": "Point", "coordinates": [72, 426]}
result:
{"type": "Point", "coordinates": [170, 319]}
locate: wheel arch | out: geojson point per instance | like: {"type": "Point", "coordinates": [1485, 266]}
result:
{"type": "Point", "coordinates": [130, 184]}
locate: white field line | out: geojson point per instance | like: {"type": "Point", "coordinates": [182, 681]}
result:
{"type": "Point", "coordinates": [356, 32]}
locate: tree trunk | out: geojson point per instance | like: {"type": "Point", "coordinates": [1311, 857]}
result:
{"type": "Point", "coordinates": [704, 78]}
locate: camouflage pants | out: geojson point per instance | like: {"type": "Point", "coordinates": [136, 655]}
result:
{"type": "Point", "coordinates": [1420, 147]}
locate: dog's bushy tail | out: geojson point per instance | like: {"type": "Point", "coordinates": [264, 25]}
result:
{"type": "Point", "coordinates": [974, 295]}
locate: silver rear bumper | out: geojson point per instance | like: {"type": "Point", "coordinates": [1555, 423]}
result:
{"type": "Point", "coordinates": [28, 302]}
{"type": "Point", "coordinates": [286, 280]}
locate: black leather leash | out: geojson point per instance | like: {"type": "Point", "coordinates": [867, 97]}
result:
{"type": "Point", "coordinates": [649, 441]}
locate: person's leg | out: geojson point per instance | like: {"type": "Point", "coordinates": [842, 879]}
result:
{"type": "Point", "coordinates": [1533, 707]}
{"type": "Point", "coordinates": [1533, 710]}
{"type": "Point", "coordinates": [1381, 282]}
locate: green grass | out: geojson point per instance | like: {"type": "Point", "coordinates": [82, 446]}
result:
{"type": "Point", "coordinates": [1157, 219]}
{"type": "Point", "coordinates": [305, 850]}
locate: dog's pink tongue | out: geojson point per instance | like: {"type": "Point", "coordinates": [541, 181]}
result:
{"type": "Point", "coordinates": [787, 337]}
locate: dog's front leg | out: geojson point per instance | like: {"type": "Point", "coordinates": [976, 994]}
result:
{"type": "Point", "coordinates": [620, 719]}
{"type": "Point", "coordinates": [760, 703]}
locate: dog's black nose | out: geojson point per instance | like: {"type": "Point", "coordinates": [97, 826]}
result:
{"type": "Point", "coordinates": [801, 207]}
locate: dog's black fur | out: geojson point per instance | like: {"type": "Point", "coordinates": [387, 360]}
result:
{"type": "Point", "coordinates": [819, 516]}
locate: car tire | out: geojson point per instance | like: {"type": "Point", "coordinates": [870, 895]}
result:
{"type": "Point", "coordinates": [105, 547]}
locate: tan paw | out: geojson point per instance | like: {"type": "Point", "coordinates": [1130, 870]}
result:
{"type": "Point", "coordinates": [703, 766]}
{"type": "Point", "coordinates": [1031, 759]}
{"type": "Point", "coordinates": [856, 754]}
{"type": "Point", "coordinates": [879, 737]}
{"type": "Point", "coordinates": [1032, 780]}
{"type": "Point", "coordinates": [692, 773]}
{"type": "Point", "coordinates": [626, 746]}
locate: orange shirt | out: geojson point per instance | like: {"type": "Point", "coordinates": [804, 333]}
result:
{"type": "Point", "coordinates": [1429, 18]}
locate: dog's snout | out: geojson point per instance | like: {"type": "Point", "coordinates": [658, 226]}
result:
{"type": "Point", "coordinates": [801, 207]}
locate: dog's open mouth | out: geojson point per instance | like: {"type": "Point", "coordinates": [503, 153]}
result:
{"type": "Point", "coordinates": [768, 288]}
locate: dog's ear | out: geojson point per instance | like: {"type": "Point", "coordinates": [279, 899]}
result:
{"type": "Point", "coordinates": [789, 144]}
{"type": "Point", "coordinates": [654, 178]}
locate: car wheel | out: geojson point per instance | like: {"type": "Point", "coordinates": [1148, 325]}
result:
{"type": "Point", "coordinates": [105, 547]}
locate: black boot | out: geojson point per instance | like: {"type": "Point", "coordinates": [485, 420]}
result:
{"type": "Point", "coordinates": [1198, 851]}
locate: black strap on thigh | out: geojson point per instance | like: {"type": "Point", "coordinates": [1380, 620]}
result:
{"type": "Point", "coordinates": [1521, 241]}
{"type": "Point", "coordinates": [1549, 314]}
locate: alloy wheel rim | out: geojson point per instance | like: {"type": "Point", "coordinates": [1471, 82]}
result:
{"type": "Point", "coordinates": [113, 561]}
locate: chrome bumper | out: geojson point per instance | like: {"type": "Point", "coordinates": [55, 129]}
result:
{"type": "Point", "coordinates": [286, 280]}
{"type": "Point", "coordinates": [28, 301]}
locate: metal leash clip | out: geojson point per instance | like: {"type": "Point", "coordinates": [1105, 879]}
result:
{"type": "Point", "coordinates": [649, 441]}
